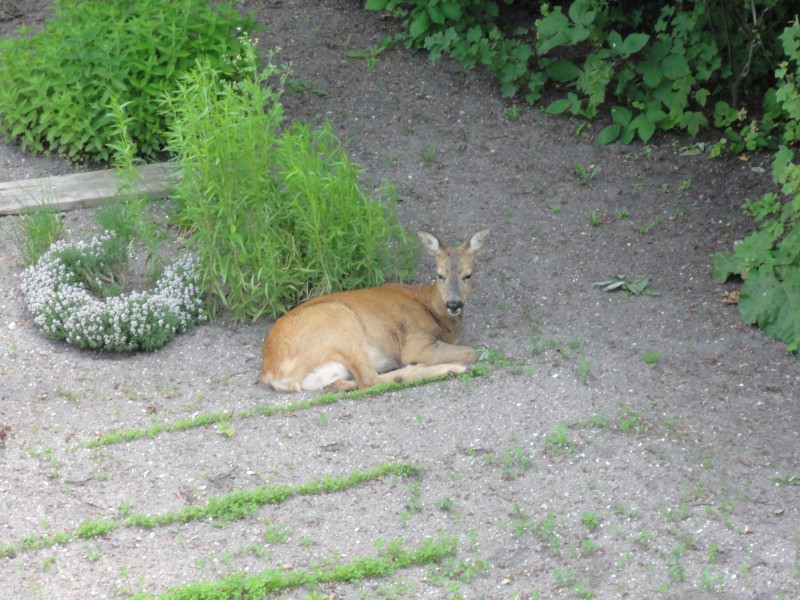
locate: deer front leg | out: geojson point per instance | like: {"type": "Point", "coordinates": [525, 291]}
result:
{"type": "Point", "coordinates": [438, 352]}
{"type": "Point", "coordinates": [416, 372]}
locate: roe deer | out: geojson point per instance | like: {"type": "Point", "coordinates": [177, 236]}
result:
{"type": "Point", "coordinates": [360, 338]}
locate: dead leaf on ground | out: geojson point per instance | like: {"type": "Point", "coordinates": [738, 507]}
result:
{"type": "Point", "coordinates": [730, 297]}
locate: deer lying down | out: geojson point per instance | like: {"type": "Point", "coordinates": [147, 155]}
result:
{"type": "Point", "coordinates": [360, 338]}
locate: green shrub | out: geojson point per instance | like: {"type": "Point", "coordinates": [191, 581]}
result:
{"type": "Point", "coordinates": [769, 259]}
{"type": "Point", "coordinates": [274, 217]}
{"type": "Point", "coordinates": [654, 66]}
{"type": "Point", "coordinates": [58, 82]}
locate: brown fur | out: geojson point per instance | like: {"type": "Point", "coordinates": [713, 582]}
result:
{"type": "Point", "coordinates": [360, 338]}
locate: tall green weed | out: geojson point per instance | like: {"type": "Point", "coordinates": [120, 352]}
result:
{"type": "Point", "coordinates": [57, 82]}
{"type": "Point", "coordinates": [275, 216]}
{"type": "Point", "coordinates": [35, 231]}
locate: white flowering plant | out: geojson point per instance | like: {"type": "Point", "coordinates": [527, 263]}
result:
{"type": "Point", "coordinates": [73, 293]}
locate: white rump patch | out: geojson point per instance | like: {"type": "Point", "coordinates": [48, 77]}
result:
{"type": "Point", "coordinates": [325, 375]}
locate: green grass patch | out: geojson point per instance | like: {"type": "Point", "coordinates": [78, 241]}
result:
{"type": "Point", "coordinates": [35, 231]}
{"type": "Point", "coordinates": [206, 419]}
{"type": "Point", "coordinates": [242, 503]}
{"type": "Point", "coordinates": [391, 557]}
{"type": "Point", "coordinates": [235, 505]}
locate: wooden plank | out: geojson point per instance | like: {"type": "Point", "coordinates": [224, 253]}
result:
{"type": "Point", "coordinates": [66, 192]}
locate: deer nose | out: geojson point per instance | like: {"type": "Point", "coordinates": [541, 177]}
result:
{"type": "Point", "coordinates": [454, 307]}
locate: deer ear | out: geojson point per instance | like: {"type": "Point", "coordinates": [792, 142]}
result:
{"type": "Point", "coordinates": [430, 242]}
{"type": "Point", "coordinates": [477, 241]}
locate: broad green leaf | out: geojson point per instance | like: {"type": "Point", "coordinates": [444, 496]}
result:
{"type": "Point", "coordinates": [627, 134]}
{"type": "Point", "coordinates": [608, 134]}
{"type": "Point", "coordinates": [419, 24]}
{"type": "Point", "coordinates": [474, 34]}
{"type": "Point", "coordinates": [436, 14]}
{"type": "Point", "coordinates": [621, 115]}
{"type": "Point", "coordinates": [723, 265]}
{"type": "Point", "coordinates": [654, 112]}
{"type": "Point", "coordinates": [755, 248]}
{"type": "Point", "coordinates": [452, 10]}
{"type": "Point", "coordinates": [552, 31]}
{"type": "Point", "coordinates": [615, 41]}
{"type": "Point", "coordinates": [508, 89]}
{"type": "Point", "coordinates": [773, 304]}
{"type": "Point", "coordinates": [651, 75]}
{"type": "Point", "coordinates": [638, 286]}
{"type": "Point", "coordinates": [563, 70]}
{"type": "Point", "coordinates": [781, 163]}
{"type": "Point", "coordinates": [788, 250]}
{"type": "Point", "coordinates": [558, 106]}
{"type": "Point", "coordinates": [580, 14]}
{"type": "Point", "coordinates": [645, 128]}
{"type": "Point", "coordinates": [634, 42]}
{"type": "Point", "coordinates": [578, 34]}
{"type": "Point", "coordinates": [675, 66]}
{"type": "Point", "coordinates": [702, 95]}
{"type": "Point", "coordinates": [693, 121]}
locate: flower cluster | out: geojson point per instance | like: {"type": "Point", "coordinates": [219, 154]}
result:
{"type": "Point", "coordinates": [62, 306]}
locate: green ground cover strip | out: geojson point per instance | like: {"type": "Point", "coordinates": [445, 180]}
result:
{"type": "Point", "coordinates": [235, 505]}
{"type": "Point", "coordinates": [205, 419]}
{"type": "Point", "coordinates": [243, 587]}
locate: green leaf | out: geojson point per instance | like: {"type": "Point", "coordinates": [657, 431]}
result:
{"type": "Point", "coordinates": [615, 41]}
{"type": "Point", "coordinates": [580, 14]}
{"type": "Point", "coordinates": [638, 286]}
{"type": "Point", "coordinates": [755, 249]}
{"type": "Point", "coordinates": [724, 264]}
{"type": "Point", "coordinates": [419, 25]}
{"type": "Point", "coordinates": [436, 14]}
{"type": "Point", "coordinates": [552, 31]}
{"type": "Point", "coordinates": [578, 34]}
{"type": "Point", "coordinates": [620, 282]}
{"type": "Point", "coordinates": [675, 66]}
{"type": "Point", "coordinates": [508, 89]}
{"type": "Point", "coordinates": [644, 127]}
{"type": "Point", "coordinates": [692, 121]}
{"type": "Point", "coordinates": [557, 107]}
{"type": "Point", "coordinates": [634, 42]}
{"type": "Point", "coordinates": [474, 34]}
{"type": "Point", "coordinates": [608, 134]}
{"type": "Point", "coordinates": [788, 251]}
{"type": "Point", "coordinates": [621, 115]}
{"type": "Point", "coordinates": [452, 10]}
{"type": "Point", "coordinates": [563, 70]}
{"type": "Point", "coordinates": [773, 304]}
{"type": "Point", "coordinates": [701, 96]}
{"type": "Point", "coordinates": [651, 75]}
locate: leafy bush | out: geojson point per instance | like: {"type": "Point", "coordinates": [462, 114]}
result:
{"type": "Point", "coordinates": [274, 217]}
{"type": "Point", "coordinates": [769, 259]}
{"type": "Point", "coordinates": [58, 82]}
{"type": "Point", "coordinates": [655, 66]}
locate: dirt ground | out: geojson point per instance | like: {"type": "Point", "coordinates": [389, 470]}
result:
{"type": "Point", "coordinates": [575, 469]}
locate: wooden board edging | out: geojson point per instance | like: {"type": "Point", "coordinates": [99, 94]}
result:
{"type": "Point", "coordinates": [79, 190]}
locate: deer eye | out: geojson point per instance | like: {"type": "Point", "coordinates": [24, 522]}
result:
{"type": "Point", "coordinates": [467, 276]}
{"type": "Point", "coordinates": [441, 277]}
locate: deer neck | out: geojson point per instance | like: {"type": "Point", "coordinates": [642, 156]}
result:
{"type": "Point", "coordinates": [449, 325]}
